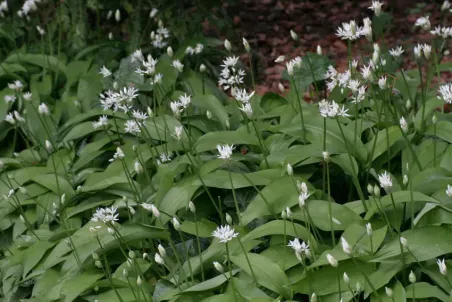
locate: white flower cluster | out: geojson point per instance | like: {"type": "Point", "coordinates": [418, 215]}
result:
{"type": "Point", "coordinates": [164, 158]}
{"type": "Point", "coordinates": [105, 215]}
{"type": "Point", "coordinates": [194, 50]}
{"type": "Point", "coordinates": [244, 97]}
{"type": "Point", "coordinates": [445, 92]}
{"type": "Point", "coordinates": [224, 233]}
{"type": "Point", "coordinates": [300, 248]}
{"type": "Point", "coordinates": [101, 123]}
{"type": "Point", "coordinates": [16, 85]}
{"type": "Point", "coordinates": [304, 194]}
{"type": "Point", "coordinates": [119, 100]}
{"type": "Point", "coordinates": [159, 36]}
{"type": "Point", "coordinates": [230, 76]}
{"type": "Point", "coordinates": [332, 109]}
{"type": "Point", "coordinates": [443, 32]}
{"type": "Point", "coordinates": [3, 8]}
{"type": "Point", "coordinates": [225, 151]}
{"type": "Point", "coordinates": [178, 106]}
{"type": "Point", "coordinates": [12, 118]}
{"type": "Point", "coordinates": [27, 7]}
{"type": "Point", "coordinates": [351, 31]}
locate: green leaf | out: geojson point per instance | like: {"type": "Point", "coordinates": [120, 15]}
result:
{"type": "Point", "coordinates": [431, 180]}
{"type": "Point", "coordinates": [425, 243]}
{"type": "Point", "coordinates": [398, 291]}
{"type": "Point", "coordinates": [210, 284]}
{"type": "Point", "coordinates": [34, 254]}
{"type": "Point", "coordinates": [424, 290]}
{"type": "Point", "coordinates": [76, 285]}
{"type": "Point", "coordinates": [56, 184]}
{"type": "Point", "coordinates": [277, 227]}
{"type": "Point", "coordinates": [41, 60]}
{"type": "Point", "coordinates": [380, 141]}
{"type": "Point", "coordinates": [268, 273]}
{"type": "Point", "coordinates": [443, 130]}
{"type": "Point", "coordinates": [210, 140]}
{"type": "Point", "coordinates": [212, 104]}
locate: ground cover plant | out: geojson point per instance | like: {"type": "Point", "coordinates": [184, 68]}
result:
{"type": "Point", "coordinates": [156, 174]}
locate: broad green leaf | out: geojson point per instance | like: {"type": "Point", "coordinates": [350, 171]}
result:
{"type": "Point", "coordinates": [268, 273]}
{"type": "Point", "coordinates": [424, 290]}
{"type": "Point", "coordinates": [380, 141]}
{"type": "Point", "coordinates": [76, 285]}
{"type": "Point", "coordinates": [210, 140]}
{"type": "Point", "coordinates": [431, 180]}
{"type": "Point", "coordinates": [41, 60]}
{"type": "Point", "coordinates": [56, 184]}
{"type": "Point", "coordinates": [212, 104]}
{"type": "Point", "coordinates": [211, 283]}
{"type": "Point", "coordinates": [34, 254]}
{"type": "Point", "coordinates": [443, 131]}
{"type": "Point", "coordinates": [398, 293]}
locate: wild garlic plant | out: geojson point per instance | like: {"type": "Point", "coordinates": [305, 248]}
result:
{"type": "Point", "coordinates": [156, 179]}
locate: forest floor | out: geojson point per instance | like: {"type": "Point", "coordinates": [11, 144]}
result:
{"type": "Point", "coordinates": [266, 25]}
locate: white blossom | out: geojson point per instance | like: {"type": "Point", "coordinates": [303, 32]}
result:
{"type": "Point", "coordinates": [178, 65]}
{"type": "Point", "coordinates": [178, 132]}
{"type": "Point", "coordinates": [247, 109]}
{"type": "Point", "coordinates": [225, 151]}
{"type": "Point", "coordinates": [224, 233]}
{"type": "Point", "coordinates": [396, 52]}
{"type": "Point", "coordinates": [445, 92]}
{"type": "Point", "coordinates": [385, 180]}
{"type": "Point", "coordinates": [300, 248]}
{"type": "Point", "coordinates": [27, 96]}
{"type": "Point", "coordinates": [446, 5]}
{"type": "Point", "coordinates": [382, 82]}
{"type": "Point", "coordinates": [280, 59]}
{"type": "Point", "coordinates": [138, 167]}
{"type": "Point", "coordinates": [131, 126]}
{"type": "Point", "coordinates": [138, 115]}
{"type": "Point", "coordinates": [427, 49]}
{"type": "Point", "coordinates": [403, 124]}
{"type": "Point", "coordinates": [105, 72]}
{"type": "Point", "coordinates": [241, 95]}
{"type": "Point", "coordinates": [101, 123]}
{"type": "Point", "coordinates": [369, 229]}
{"type": "Point", "coordinates": [16, 85]}
{"type": "Point", "coordinates": [376, 7]}
{"type": "Point", "coordinates": [119, 154]}
{"type": "Point", "coordinates": [349, 31]}
{"type": "Point", "coordinates": [423, 22]}
{"type": "Point", "coordinates": [10, 118]}
{"type": "Point", "coordinates": [442, 266]}
{"type": "Point", "coordinates": [449, 190]}
{"type": "Point", "coordinates": [184, 100]}
{"type": "Point", "coordinates": [417, 51]}
{"type": "Point", "coordinates": [9, 98]}
{"type": "Point", "coordinates": [105, 215]}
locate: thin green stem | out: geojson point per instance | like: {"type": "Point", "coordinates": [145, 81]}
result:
{"type": "Point", "coordinates": [234, 196]}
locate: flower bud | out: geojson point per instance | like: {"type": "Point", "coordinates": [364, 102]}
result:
{"type": "Point", "coordinates": [162, 251]}
{"type": "Point", "coordinates": [369, 230]}
{"type": "Point", "coordinates": [313, 297]}
{"type": "Point", "coordinates": [98, 264]}
{"type": "Point", "coordinates": [192, 207]}
{"type": "Point", "coordinates": [176, 224]}
{"type": "Point", "coordinates": [434, 119]}
{"type": "Point", "coordinates": [227, 45]}
{"type": "Point", "coordinates": [319, 50]}
{"type": "Point", "coordinates": [138, 167]}
{"type": "Point", "coordinates": [377, 191]}
{"type": "Point", "coordinates": [109, 14]}
{"type": "Point", "coordinates": [412, 277]}
{"type": "Point", "coordinates": [370, 189]}
{"type": "Point", "coordinates": [218, 267]}
{"type": "Point", "coordinates": [389, 292]}
{"type": "Point", "coordinates": [48, 146]}
{"type": "Point", "coordinates": [139, 281]}
{"type": "Point", "coordinates": [404, 242]}
{"type": "Point", "coordinates": [110, 36]}
{"type": "Point", "coordinates": [202, 68]}
{"type": "Point", "coordinates": [281, 88]}
{"type": "Point", "coordinates": [293, 35]}
{"type": "Point", "coordinates": [95, 256]}
{"type": "Point", "coordinates": [118, 15]}
{"type": "Point", "coordinates": [169, 51]}
{"type": "Point", "coordinates": [408, 104]}
{"type": "Point", "coordinates": [288, 212]}
{"type": "Point", "coordinates": [246, 45]}
{"type": "Point", "coordinates": [150, 113]}
{"type": "Point", "coordinates": [209, 115]}
{"type": "Point", "coordinates": [405, 180]}
{"type": "Point", "coordinates": [331, 260]}
{"type": "Point", "coordinates": [125, 273]}
{"type": "Point", "coordinates": [346, 278]}
{"type": "Point", "coordinates": [132, 254]}
{"type": "Point", "coordinates": [145, 256]}
{"type": "Point", "coordinates": [228, 218]}
{"type": "Point", "coordinates": [283, 214]}
{"type": "Point", "coordinates": [110, 231]}
{"type": "Point", "coordinates": [24, 191]}
{"type": "Point", "coordinates": [158, 259]}
{"type": "Point", "coordinates": [289, 170]}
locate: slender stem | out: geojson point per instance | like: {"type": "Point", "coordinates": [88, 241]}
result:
{"type": "Point", "coordinates": [198, 242]}
{"type": "Point", "coordinates": [339, 284]}
{"type": "Point", "coordinates": [249, 263]}
{"type": "Point", "coordinates": [300, 108]}
{"type": "Point", "coordinates": [234, 196]}
{"type": "Point", "coordinates": [234, 290]}
{"type": "Point", "coordinates": [186, 256]}
{"type": "Point", "coordinates": [330, 211]}
{"type": "Point", "coordinates": [264, 148]}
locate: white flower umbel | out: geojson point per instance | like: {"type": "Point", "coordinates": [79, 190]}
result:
{"type": "Point", "coordinates": [43, 109]}
{"type": "Point", "coordinates": [178, 65]}
{"type": "Point", "coordinates": [105, 215]}
{"type": "Point", "coordinates": [396, 52]}
{"type": "Point", "coordinates": [382, 82]}
{"type": "Point", "coordinates": [247, 109]}
{"type": "Point", "coordinates": [178, 132]}
{"type": "Point", "coordinates": [442, 266]}
{"type": "Point", "coordinates": [423, 22]}
{"type": "Point", "coordinates": [16, 85]}
{"type": "Point", "coordinates": [230, 75]}
{"type": "Point", "coordinates": [367, 29]}
{"type": "Point", "coordinates": [118, 155]}
{"type": "Point", "coordinates": [332, 109]}
{"type": "Point", "coordinates": [443, 32]}
{"type": "Point", "coordinates": [417, 51]}
{"type": "Point", "coordinates": [10, 118]}
{"type": "Point", "coordinates": [176, 108]}
{"type": "Point", "coordinates": [225, 151]}
{"type": "Point", "coordinates": [241, 95]}
{"type": "Point", "coordinates": [138, 115]}
{"type": "Point", "coordinates": [164, 158]}
{"type": "Point", "coordinates": [224, 233]}
{"type": "Point", "coordinates": [105, 72]}
{"type": "Point", "coordinates": [449, 190]}
{"type": "Point", "coordinates": [376, 7]}
{"type": "Point", "coordinates": [445, 92]}
{"type": "Point", "coordinates": [27, 96]}
{"type": "Point", "coordinates": [300, 248]}
{"type": "Point", "coordinates": [349, 31]}
{"type": "Point", "coordinates": [427, 49]}
{"type": "Point", "coordinates": [445, 6]}
{"type": "Point", "coordinates": [132, 127]}
{"type": "Point", "coordinates": [184, 100]}
{"type": "Point", "coordinates": [101, 123]}
{"type": "Point", "coordinates": [385, 181]}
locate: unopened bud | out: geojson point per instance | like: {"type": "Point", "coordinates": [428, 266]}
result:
{"type": "Point", "coordinates": [405, 180]}
{"type": "Point", "coordinates": [412, 277]}
{"type": "Point", "coordinates": [110, 36]}
{"type": "Point", "coordinates": [228, 218]}
{"type": "Point", "coordinates": [389, 292]}
{"type": "Point", "coordinates": [132, 254]}
{"type": "Point", "coordinates": [408, 104]}
{"type": "Point", "coordinates": [346, 278]}
{"type": "Point", "coordinates": [377, 191]}
{"type": "Point", "coordinates": [192, 207]}
{"type": "Point", "coordinates": [169, 51]}
{"type": "Point", "coordinates": [319, 50]}
{"type": "Point", "coordinates": [209, 115]}
{"type": "Point", "coordinates": [246, 45]}
{"type": "Point", "coordinates": [95, 256]}
{"type": "Point", "coordinates": [227, 45]}
{"type": "Point", "coordinates": [176, 223]}
{"type": "Point", "coordinates": [162, 251]}
{"type": "Point", "coordinates": [218, 267]}
{"type": "Point", "coordinates": [139, 281]}
{"type": "Point", "coordinates": [98, 264]}
{"type": "Point", "coordinates": [293, 35]}
{"type": "Point", "coordinates": [202, 68]}
{"type": "Point", "coordinates": [370, 189]}
{"type": "Point", "coordinates": [281, 88]}
{"type": "Point", "coordinates": [434, 119]}
{"type": "Point", "coordinates": [118, 15]}
{"type": "Point", "coordinates": [48, 146]}
{"type": "Point", "coordinates": [289, 170]}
